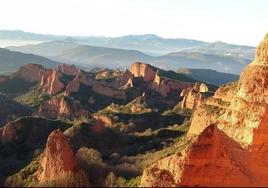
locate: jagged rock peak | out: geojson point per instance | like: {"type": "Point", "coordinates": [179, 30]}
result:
{"type": "Point", "coordinates": [59, 156]}
{"type": "Point", "coordinates": [262, 51]}
{"type": "Point", "coordinates": [146, 71]}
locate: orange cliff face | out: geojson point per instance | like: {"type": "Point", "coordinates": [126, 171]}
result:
{"type": "Point", "coordinates": [59, 163]}
{"type": "Point", "coordinates": [145, 71]}
{"type": "Point", "coordinates": [193, 96]}
{"type": "Point", "coordinates": [68, 70]}
{"type": "Point", "coordinates": [51, 81]}
{"type": "Point", "coordinates": [31, 72]}
{"type": "Point", "coordinates": [232, 152]}
{"type": "Point", "coordinates": [60, 107]}
{"type": "Point", "coordinates": [164, 85]}
{"type": "Point", "coordinates": [250, 103]}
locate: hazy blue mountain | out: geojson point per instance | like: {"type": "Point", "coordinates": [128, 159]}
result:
{"type": "Point", "coordinates": [149, 43]}
{"type": "Point", "coordinates": [209, 76]}
{"type": "Point", "coordinates": [91, 57]}
{"type": "Point", "coordinates": [221, 48]}
{"type": "Point", "coordinates": [11, 61]}
{"type": "Point", "coordinates": [227, 64]}
{"type": "Point", "coordinates": [46, 49]}
{"type": "Point", "coordinates": [21, 35]}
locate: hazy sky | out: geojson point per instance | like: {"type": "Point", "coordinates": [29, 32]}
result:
{"type": "Point", "coordinates": [235, 21]}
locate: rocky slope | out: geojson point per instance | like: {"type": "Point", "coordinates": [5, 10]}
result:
{"type": "Point", "coordinates": [91, 91]}
{"type": "Point", "coordinates": [59, 163]}
{"type": "Point", "coordinates": [10, 110]}
{"type": "Point", "coordinates": [229, 151]}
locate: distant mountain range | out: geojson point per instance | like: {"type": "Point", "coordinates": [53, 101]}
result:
{"type": "Point", "coordinates": [92, 56]}
{"type": "Point", "coordinates": [120, 52]}
{"type": "Point", "coordinates": [151, 44]}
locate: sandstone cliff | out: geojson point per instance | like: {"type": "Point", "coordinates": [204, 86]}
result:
{"type": "Point", "coordinates": [193, 96]}
{"type": "Point", "coordinates": [59, 166]}
{"type": "Point", "coordinates": [165, 85]}
{"type": "Point", "coordinates": [60, 107]}
{"type": "Point", "coordinates": [147, 72]}
{"type": "Point", "coordinates": [51, 82]}
{"type": "Point", "coordinates": [230, 153]}
{"type": "Point", "coordinates": [69, 70]}
{"type": "Point", "coordinates": [31, 72]}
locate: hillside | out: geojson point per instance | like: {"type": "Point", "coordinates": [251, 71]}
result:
{"type": "Point", "coordinates": [11, 61]}
{"type": "Point", "coordinates": [209, 76]}
{"type": "Point", "coordinates": [91, 56]}
{"type": "Point", "coordinates": [227, 64]}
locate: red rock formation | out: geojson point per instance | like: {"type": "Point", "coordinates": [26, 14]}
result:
{"type": "Point", "coordinates": [147, 72]}
{"type": "Point", "coordinates": [192, 96]}
{"type": "Point", "coordinates": [69, 70]}
{"type": "Point", "coordinates": [51, 82]}
{"type": "Point", "coordinates": [226, 92]}
{"type": "Point", "coordinates": [59, 163]}
{"type": "Point", "coordinates": [58, 107]}
{"type": "Point", "coordinates": [126, 79]}
{"type": "Point", "coordinates": [59, 156]}
{"type": "Point", "coordinates": [165, 85]}
{"type": "Point", "coordinates": [104, 119]}
{"type": "Point", "coordinates": [233, 152]}
{"type": "Point", "coordinates": [216, 160]}
{"type": "Point", "coordinates": [109, 91]}
{"type": "Point", "coordinates": [31, 72]}
{"type": "Point", "coordinates": [73, 86]}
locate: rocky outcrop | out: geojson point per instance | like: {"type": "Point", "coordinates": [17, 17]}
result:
{"type": "Point", "coordinates": [226, 92]}
{"type": "Point", "coordinates": [73, 86]}
{"type": "Point", "coordinates": [51, 82]}
{"type": "Point", "coordinates": [146, 71]}
{"type": "Point", "coordinates": [31, 72]}
{"type": "Point", "coordinates": [126, 79]}
{"type": "Point", "coordinates": [250, 103]}
{"type": "Point", "coordinates": [193, 96]}
{"type": "Point", "coordinates": [109, 91]}
{"type": "Point", "coordinates": [54, 108]}
{"type": "Point", "coordinates": [232, 152]}
{"type": "Point", "coordinates": [165, 86]}
{"type": "Point", "coordinates": [59, 163]}
{"type": "Point", "coordinates": [69, 70]}
{"type": "Point", "coordinates": [213, 154]}
{"type": "Point", "coordinates": [58, 158]}
{"type": "Point", "coordinates": [60, 107]}
{"type": "Point", "coordinates": [104, 119]}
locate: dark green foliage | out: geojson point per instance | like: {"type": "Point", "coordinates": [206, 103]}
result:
{"type": "Point", "coordinates": [11, 110]}
{"type": "Point", "coordinates": [31, 135]}
{"type": "Point", "coordinates": [15, 86]}
{"type": "Point", "coordinates": [33, 98]}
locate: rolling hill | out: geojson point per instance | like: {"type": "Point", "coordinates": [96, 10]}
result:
{"type": "Point", "coordinates": [92, 57]}
{"type": "Point", "coordinates": [10, 61]}
{"type": "Point", "coordinates": [227, 64]}
{"type": "Point", "coordinates": [208, 76]}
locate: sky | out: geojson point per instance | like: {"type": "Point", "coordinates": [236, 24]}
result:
{"type": "Point", "coordinates": [234, 21]}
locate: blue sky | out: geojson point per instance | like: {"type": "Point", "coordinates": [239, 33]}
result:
{"type": "Point", "coordinates": [234, 21]}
